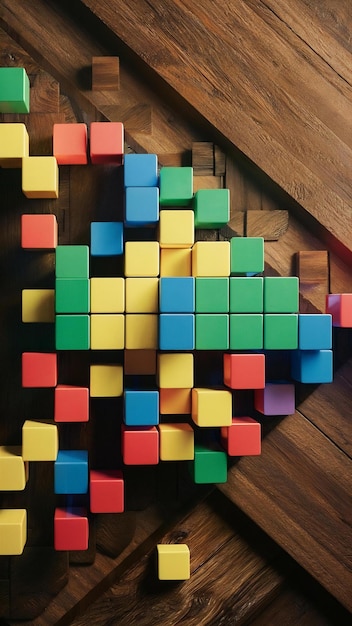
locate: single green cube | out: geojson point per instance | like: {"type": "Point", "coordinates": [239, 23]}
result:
{"type": "Point", "coordinates": [72, 295]}
{"type": "Point", "coordinates": [176, 186]}
{"type": "Point", "coordinates": [246, 294]}
{"type": "Point", "coordinates": [72, 332]}
{"type": "Point", "coordinates": [246, 331]}
{"type": "Point", "coordinates": [14, 90]}
{"type": "Point", "coordinates": [247, 256]}
{"type": "Point", "coordinates": [280, 331]}
{"type": "Point", "coordinates": [212, 295]}
{"type": "Point", "coordinates": [212, 332]}
{"type": "Point", "coordinates": [211, 208]}
{"type": "Point", "coordinates": [72, 262]}
{"type": "Point", "coordinates": [209, 466]}
{"type": "Point", "coordinates": [281, 294]}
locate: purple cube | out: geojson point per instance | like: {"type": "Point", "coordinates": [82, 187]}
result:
{"type": "Point", "coordinates": [275, 399]}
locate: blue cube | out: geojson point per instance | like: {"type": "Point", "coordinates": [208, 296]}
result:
{"type": "Point", "coordinates": [314, 332]}
{"type": "Point", "coordinates": [141, 206]}
{"type": "Point", "coordinates": [140, 170]}
{"type": "Point", "coordinates": [141, 408]}
{"type": "Point", "coordinates": [71, 472]}
{"type": "Point", "coordinates": [106, 238]}
{"type": "Point", "coordinates": [177, 295]}
{"type": "Point", "coordinates": [176, 331]}
{"type": "Point", "coordinates": [312, 366]}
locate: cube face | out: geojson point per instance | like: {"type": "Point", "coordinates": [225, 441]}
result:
{"type": "Point", "coordinates": [141, 332]}
{"type": "Point", "coordinates": [71, 472]}
{"type": "Point", "coordinates": [39, 369]}
{"type": "Point", "coordinates": [14, 144]}
{"type": "Point", "coordinates": [70, 144]}
{"type": "Point", "coordinates": [314, 332]}
{"type": "Point", "coordinates": [175, 401]}
{"type": "Point", "coordinates": [246, 294]}
{"type": "Point", "coordinates": [105, 73]}
{"type": "Point", "coordinates": [72, 295]}
{"type": "Point", "coordinates": [107, 332]}
{"type": "Point", "coordinates": [106, 381]}
{"type": "Point", "coordinates": [275, 399]}
{"type": "Point", "coordinates": [71, 531]}
{"type": "Point", "coordinates": [38, 305]}
{"type": "Point", "coordinates": [106, 238]}
{"type": "Point", "coordinates": [140, 362]}
{"type": "Point", "coordinates": [176, 186]}
{"type": "Point", "coordinates": [140, 445]}
{"type": "Point", "coordinates": [212, 332]}
{"type": "Point", "coordinates": [242, 438]}
{"type": "Point", "coordinates": [176, 331]}
{"type": "Point", "coordinates": [107, 295]}
{"type": "Point", "coordinates": [173, 562]}
{"type": "Point", "coordinates": [244, 371]}
{"type": "Point", "coordinates": [212, 295]}
{"type": "Point", "coordinates": [340, 307]}
{"type": "Point", "coordinates": [13, 531]}
{"type": "Point", "coordinates": [175, 371]}
{"type": "Point", "coordinates": [141, 206]}
{"type": "Point", "coordinates": [209, 466]}
{"type": "Point", "coordinates": [106, 142]}
{"type": "Point", "coordinates": [312, 366]}
{"type": "Point", "coordinates": [72, 262]}
{"type": "Point", "coordinates": [13, 469]}
{"type": "Point", "coordinates": [211, 258]}
{"type": "Point", "coordinates": [141, 408]}
{"type": "Point", "coordinates": [40, 177]}
{"type": "Point", "coordinates": [247, 256]}
{"type": "Point", "coordinates": [40, 441]}
{"type": "Point", "coordinates": [177, 295]}
{"type": "Point", "coordinates": [14, 90]}
{"type": "Point", "coordinates": [141, 170]}
{"type": "Point", "coordinates": [176, 442]}
{"type": "Point", "coordinates": [281, 294]}
{"type": "Point", "coordinates": [39, 232]}
{"type": "Point", "coordinates": [281, 331]}
{"type": "Point", "coordinates": [211, 407]}
{"type": "Point", "coordinates": [175, 262]}
{"type": "Point", "coordinates": [71, 404]}
{"type": "Point", "coordinates": [246, 331]}
{"type": "Point", "coordinates": [72, 332]}
{"type": "Point", "coordinates": [106, 491]}
{"type": "Point", "coordinates": [211, 208]}
{"type": "Point", "coordinates": [141, 259]}
{"type": "Point", "coordinates": [142, 295]}
{"type": "Point", "coordinates": [176, 229]}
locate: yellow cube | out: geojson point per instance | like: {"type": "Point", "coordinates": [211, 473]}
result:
{"type": "Point", "coordinates": [106, 381]}
{"type": "Point", "coordinates": [38, 305]}
{"type": "Point", "coordinates": [107, 332]}
{"type": "Point", "coordinates": [40, 177]}
{"type": "Point", "coordinates": [176, 229]}
{"type": "Point", "coordinates": [176, 442]}
{"type": "Point", "coordinates": [175, 370]}
{"type": "Point", "coordinates": [141, 258]}
{"type": "Point", "coordinates": [13, 531]}
{"type": "Point", "coordinates": [175, 262]}
{"type": "Point", "coordinates": [14, 144]}
{"type": "Point", "coordinates": [173, 561]}
{"type": "Point", "coordinates": [211, 407]}
{"type": "Point", "coordinates": [107, 295]}
{"type": "Point", "coordinates": [40, 441]}
{"type": "Point", "coordinates": [141, 332]}
{"type": "Point", "coordinates": [142, 295]}
{"type": "Point", "coordinates": [13, 469]}
{"type": "Point", "coordinates": [175, 401]}
{"type": "Point", "coordinates": [211, 258]}
{"type": "Point", "coordinates": [141, 362]}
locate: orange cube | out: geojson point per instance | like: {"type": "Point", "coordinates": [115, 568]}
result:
{"type": "Point", "coordinates": [244, 371]}
{"type": "Point", "coordinates": [106, 142]}
{"type": "Point", "coordinates": [175, 401]}
{"type": "Point", "coordinates": [39, 232]}
{"type": "Point", "coordinates": [70, 144]}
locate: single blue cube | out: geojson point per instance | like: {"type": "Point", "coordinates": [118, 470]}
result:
{"type": "Point", "coordinates": [106, 238]}
{"type": "Point", "coordinates": [141, 206]}
{"type": "Point", "coordinates": [141, 408]}
{"type": "Point", "coordinates": [71, 472]}
{"type": "Point", "coordinates": [176, 331]}
{"type": "Point", "coordinates": [314, 332]}
{"type": "Point", "coordinates": [312, 366]}
{"type": "Point", "coordinates": [177, 295]}
{"type": "Point", "coordinates": [141, 170]}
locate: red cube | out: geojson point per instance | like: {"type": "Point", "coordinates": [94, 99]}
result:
{"type": "Point", "coordinates": [106, 491]}
{"type": "Point", "coordinates": [242, 438]}
{"type": "Point", "coordinates": [71, 404]}
{"type": "Point", "coordinates": [39, 369]}
{"type": "Point", "coordinates": [70, 144]}
{"type": "Point", "coordinates": [244, 371]}
{"type": "Point", "coordinates": [39, 232]}
{"type": "Point", "coordinates": [106, 142]}
{"type": "Point", "coordinates": [140, 445]}
{"type": "Point", "coordinates": [71, 529]}
{"type": "Point", "coordinates": [339, 305]}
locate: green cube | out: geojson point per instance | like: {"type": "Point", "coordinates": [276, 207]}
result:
{"type": "Point", "coordinates": [247, 256]}
{"type": "Point", "coordinates": [246, 294]}
{"type": "Point", "coordinates": [246, 331]}
{"type": "Point", "coordinates": [72, 262]}
{"type": "Point", "coordinates": [14, 90]}
{"type": "Point", "coordinates": [72, 332]}
{"type": "Point", "coordinates": [72, 295]}
{"type": "Point", "coordinates": [212, 332]}
{"type": "Point", "coordinates": [211, 208]}
{"type": "Point", "coordinates": [209, 466]}
{"type": "Point", "coordinates": [212, 295]}
{"type": "Point", "coordinates": [176, 186]}
{"type": "Point", "coordinates": [281, 295]}
{"type": "Point", "coordinates": [281, 332]}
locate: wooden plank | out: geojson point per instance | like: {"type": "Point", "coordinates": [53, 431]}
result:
{"type": "Point", "coordinates": [313, 274]}
{"type": "Point", "coordinates": [268, 224]}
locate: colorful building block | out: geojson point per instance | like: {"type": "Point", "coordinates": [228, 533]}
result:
{"type": "Point", "coordinates": [211, 407]}
{"type": "Point", "coordinates": [176, 262]}
{"type": "Point", "coordinates": [107, 331]}
{"type": "Point", "coordinates": [211, 208]}
{"type": "Point", "coordinates": [175, 370]}
{"type": "Point", "coordinates": [14, 90]}
{"type": "Point", "coordinates": [244, 371]}
{"type": "Point", "coordinates": [339, 305]}
{"type": "Point", "coordinates": [141, 407]}
{"type": "Point", "coordinates": [246, 294]}
{"type": "Point", "coordinates": [212, 295]}
{"type": "Point", "coordinates": [142, 295]}
{"type": "Point", "coordinates": [40, 177]}
{"type": "Point", "coordinates": [40, 441]}
{"type": "Point", "coordinates": [71, 404]}
{"type": "Point", "coordinates": [141, 332]}
{"type": "Point", "coordinates": [71, 529]}
{"type": "Point", "coordinates": [70, 144]}
{"type": "Point", "coordinates": [107, 295]}
{"type": "Point", "coordinates": [13, 531]}
{"type": "Point", "coordinates": [312, 366]}
{"type": "Point", "coordinates": [247, 256]}
{"type": "Point", "coordinates": [176, 186]}
{"type": "Point", "coordinates": [106, 143]}
{"type": "Point", "coordinates": [275, 399]}
{"type": "Point", "coordinates": [177, 294]}
{"type": "Point", "coordinates": [140, 445]}
{"type": "Point", "coordinates": [281, 294]}
{"type": "Point", "coordinates": [211, 258]}
{"type": "Point", "coordinates": [71, 472]}
{"type": "Point", "coordinates": [141, 205]}
{"type": "Point", "coordinates": [246, 331]}
{"type": "Point", "coordinates": [176, 331]}
{"type": "Point", "coordinates": [281, 331]}
{"type": "Point", "coordinates": [39, 232]}
{"type": "Point", "coordinates": [173, 561]}
{"type": "Point", "coordinates": [106, 381]}
{"type": "Point", "coordinates": [106, 238]}
{"type": "Point", "coordinates": [176, 229]}
{"type": "Point", "coordinates": [13, 469]}
{"type": "Point", "coordinates": [106, 491]}
{"type": "Point", "coordinates": [176, 442]}
{"type": "Point", "coordinates": [175, 401]}
{"type": "Point", "coordinates": [140, 170]}
{"type": "Point", "coordinates": [141, 259]}
{"type": "Point", "coordinates": [314, 332]}
{"type": "Point", "coordinates": [72, 295]}
{"type": "Point", "coordinates": [212, 331]}
{"type": "Point", "coordinates": [209, 466]}
{"type": "Point", "coordinates": [140, 362]}
{"type": "Point", "coordinates": [14, 143]}
{"type": "Point", "coordinates": [39, 369]}
{"type": "Point", "coordinates": [72, 332]}
{"type": "Point", "coordinates": [242, 438]}
{"type": "Point", "coordinates": [72, 262]}
{"type": "Point", "coordinates": [38, 305]}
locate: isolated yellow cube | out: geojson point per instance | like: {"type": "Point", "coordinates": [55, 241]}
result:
{"type": "Point", "coordinates": [38, 305]}
{"type": "Point", "coordinates": [176, 442]}
{"type": "Point", "coordinates": [13, 531]}
{"type": "Point", "coordinates": [107, 332]}
{"type": "Point", "coordinates": [175, 370]}
{"type": "Point", "coordinates": [14, 144]}
{"type": "Point", "coordinates": [211, 258]}
{"type": "Point", "coordinates": [141, 331]}
{"type": "Point", "coordinates": [40, 441]}
{"type": "Point", "coordinates": [106, 381]}
{"type": "Point", "coordinates": [107, 295]}
{"type": "Point", "coordinates": [40, 177]}
{"type": "Point", "coordinates": [142, 295]}
{"type": "Point", "coordinates": [173, 561]}
{"type": "Point", "coordinates": [175, 262]}
{"type": "Point", "coordinates": [176, 229]}
{"type": "Point", "coordinates": [141, 362]}
{"type": "Point", "coordinates": [211, 407]}
{"type": "Point", "coordinates": [13, 469]}
{"type": "Point", "coordinates": [141, 259]}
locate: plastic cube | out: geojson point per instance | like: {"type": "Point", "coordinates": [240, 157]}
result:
{"type": "Point", "coordinates": [275, 399]}
{"type": "Point", "coordinates": [39, 369]}
{"type": "Point", "coordinates": [247, 256]}
{"type": "Point", "coordinates": [14, 90]}
{"type": "Point", "coordinates": [281, 294]}
{"type": "Point", "coordinates": [244, 371]}
{"type": "Point", "coordinates": [209, 466]}
{"type": "Point", "coordinates": [14, 143]}
{"type": "Point", "coordinates": [211, 258]}
{"type": "Point", "coordinates": [141, 407]}
{"type": "Point", "coordinates": [177, 295]}
{"type": "Point", "coordinates": [72, 262]}
{"type": "Point", "coordinates": [141, 259]}
{"type": "Point", "coordinates": [107, 295]}
{"type": "Point", "coordinates": [70, 144]}
{"type": "Point", "coordinates": [281, 331]}
{"type": "Point", "coordinates": [40, 177]}
{"type": "Point", "coordinates": [314, 332]}
{"type": "Point", "coordinates": [39, 232]}
{"type": "Point", "coordinates": [246, 294]}
{"type": "Point", "coordinates": [339, 305]}
{"type": "Point", "coordinates": [13, 469]}
{"type": "Point", "coordinates": [246, 331]}
{"type": "Point", "coordinates": [106, 143]}
{"type": "Point", "coordinates": [242, 438]}
{"type": "Point", "coordinates": [106, 381]}
{"type": "Point", "coordinates": [176, 442]}
{"type": "Point", "coordinates": [72, 332]}
{"type": "Point", "coordinates": [141, 206]}
{"type": "Point", "coordinates": [106, 238]}
{"type": "Point", "coordinates": [142, 295]}
{"type": "Point", "coordinates": [175, 262]}
{"type": "Point", "coordinates": [71, 404]}
{"type": "Point", "coordinates": [141, 332]}
{"type": "Point", "coordinates": [211, 407]}
{"type": "Point", "coordinates": [141, 170]}
{"type": "Point", "coordinates": [176, 186]}
{"type": "Point", "coordinates": [312, 366]}
{"type": "Point", "coordinates": [13, 531]}
{"type": "Point", "coordinates": [139, 362]}
{"type": "Point", "coordinates": [71, 529]}
{"type": "Point", "coordinates": [176, 229]}
{"type": "Point", "coordinates": [106, 490]}
{"type": "Point", "coordinates": [176, 331]}
{"type": "Point", "coordinates": [71, 472]}
{"type": "Point", "coordinates": [107, 332]}
{"type": "Point", "coordinates": [211, 208]}
{"type": "Point", "coordinates": [175, 401]}
{"type": "Point", "coordinates": [140, 445]}
{"type": "Point", "coordinates": [173, 561]}
{"type": "Point", "coordinates": [212, 295]}
{"type": "Point", "coordinates": [38, 305]}
{"type": "Point", "coordinates": [212, 331]}
{"type": "Point", "coordinates": [72, 295]}
{"type": "Point", "coordinates": [40, 441]}
{"type": "Point", "coordinates": [175, 370]}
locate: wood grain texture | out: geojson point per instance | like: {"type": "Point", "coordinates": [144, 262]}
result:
{"type": "Point", "coordinates": [270, 225]}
